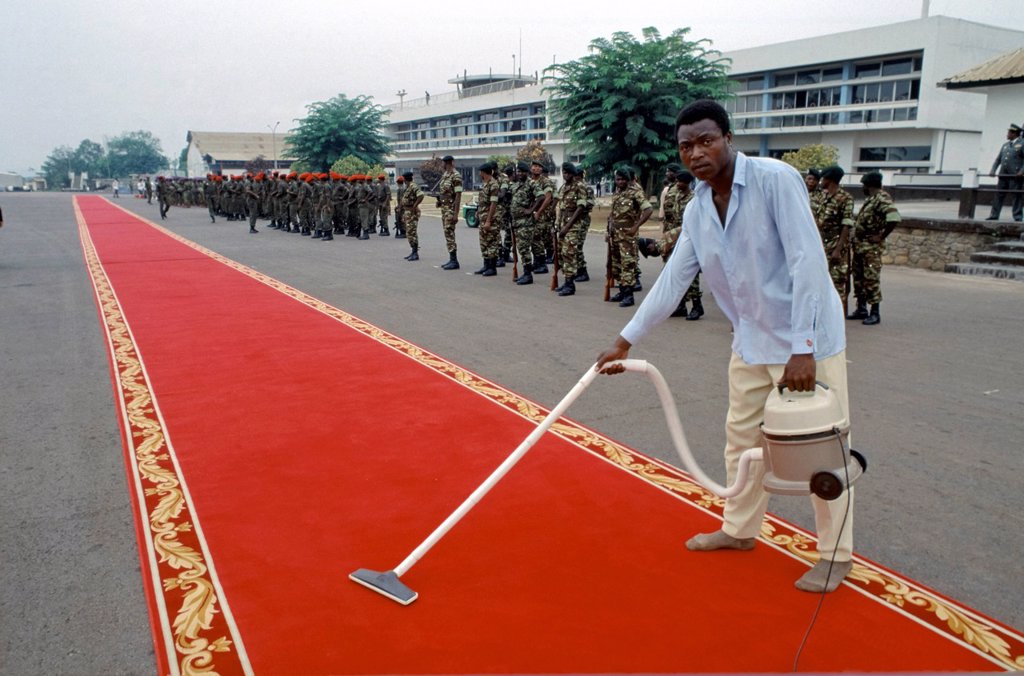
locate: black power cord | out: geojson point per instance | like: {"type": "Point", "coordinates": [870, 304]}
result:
{"type": "Point", "coordinates": [835, 550]}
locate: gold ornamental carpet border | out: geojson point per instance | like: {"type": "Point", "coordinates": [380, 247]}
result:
{"type": "Point", "coordinates": [999, 644]}
{"type": "Point", "coordinates": [202, 637]}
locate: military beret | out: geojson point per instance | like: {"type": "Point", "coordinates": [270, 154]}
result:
{"type": "Point", "coordinates": [510, 169]}
{"type": "Point", "coordinates": [872, 178]}
{"type": "Point", "coordinates": [1015, 127]}
{"type": "Point", "coordinates": [447, 158]}
{"type": "Point", "coordinates": [538, 163]}
{"type": "Point", "coordinates": [816, 173]}
{"type": "Point", "coordinates": [522, 166]}
{"type": "Point", "coordinates": [381, 177]}
{"type": "Point", "coordinates": [684, 177]}
{"type": "Point", "coordinates": [833, 173]}
{"type": "Point", "coordinates": [570, 168]}
{"type": "Point", "coordinates": [673, 167]}
{"type": "Point", "coordinates": [407, 174]}
{"type": "Point", "coordinates": [399, 180]}
{"type": "Point", "coordinates": [486, 168]}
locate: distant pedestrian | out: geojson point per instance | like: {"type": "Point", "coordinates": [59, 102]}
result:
{"type": "Point", "coordinates": [875, 221]}
{"type": "Point", "coordinates": [1010, 163]}
{"type": "Point", "coordinates": [117, 188]}
{"type": "Point", "coordinates": [140, 188]}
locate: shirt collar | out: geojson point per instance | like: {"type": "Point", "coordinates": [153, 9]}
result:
{"type": "Point", "coordinates": [739, 176]}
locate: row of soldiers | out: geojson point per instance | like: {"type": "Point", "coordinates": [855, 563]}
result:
{"type": "Point", "coordinates": [317, 205]}
{"type": "Point", "coordinates": [853, 246]}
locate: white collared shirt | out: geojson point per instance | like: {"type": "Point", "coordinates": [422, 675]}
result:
{"type": "Point", "coordinates": [766, 268]}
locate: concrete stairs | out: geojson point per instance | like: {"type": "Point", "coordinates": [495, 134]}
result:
{"type": "Point", "coordinates": [1004, 261]}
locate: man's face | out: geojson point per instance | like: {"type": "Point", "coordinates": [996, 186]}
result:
{"type": "Point", "coordinates": [448, 166]}
{"type": "Point", "coordinates": [812, 182]}
{"type": "Point", "coordinates": [1011, 134]}
{"type": "Point", "coordinates": [567, 177]}
{"type": "Point", "coordinates": [670, 176]}
{"type": "Point", "coordinates": [621, 182]}
{"type": "Point", "coordinates": [536, 170]}
{"type": "Point", "coordinates": [704, 149]}
{"type": "Point", "coordinates": [521, 175]}
{"type": "Point", "coordinates": [827, 183]}
{"type": "Point", "coordinates": [683, 187]}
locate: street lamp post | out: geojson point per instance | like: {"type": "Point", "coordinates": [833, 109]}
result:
{"type": "Point", "coordinates": [273, 140]}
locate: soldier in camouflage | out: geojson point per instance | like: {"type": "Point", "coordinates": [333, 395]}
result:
{"type": "Point", "coordinates": [679, 195]}
{"type": "Point", "coordinates": [489, 215]}
{"type": "Point", "coordinates": [814, 193]}
{"type": "Point", "coordinates": [505, 179]}
{"type": "Point", "coordinates": [399, 223]}
{"type": "Point", "coordinates": [521, 206]}
{"type": "Point", "coordinates": [581, 263]}
{"type": "Point", "coordinates": [835, 222]}
{"type": "Point", "coordinates": [410, 200]}
{"type": "Point", "coordinates": [572, 227]}
{"type": "Point", "coordinates": [875, 221]}
{"type": "Point", "coordinates": [630, 209]}
{"type": "Point", "coordinates": [542, 210]}
{"type": "Point", "coordinates": [449, 199]}
{"type": "Point", "coordinates": [383, 204]}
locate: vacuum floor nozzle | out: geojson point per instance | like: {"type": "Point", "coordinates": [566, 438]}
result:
{"type": "Point", "coordinates": [386, 584]}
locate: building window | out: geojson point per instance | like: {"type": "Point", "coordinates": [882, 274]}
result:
{"type": "Point", "coordinates": [868, 70]}
{"type": "Point", "coordinates": [896, 154]}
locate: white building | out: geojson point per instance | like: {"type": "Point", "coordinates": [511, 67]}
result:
{"type": "Point", "coordinates": [872, 93]}
{"type": "Point", "coordinates": [223, 152]}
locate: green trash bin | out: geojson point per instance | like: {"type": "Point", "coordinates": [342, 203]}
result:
{"type": "Point", "coordinates": [469, 214]}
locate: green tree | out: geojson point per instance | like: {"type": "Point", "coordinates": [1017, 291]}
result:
{"type": "Point", "coordinates": [57, 165]}
{"type": "Point", "coordinates": [183, 160]}
{"type": "Point", "coordinates": [90, 157]}
{"type": "Point", "coordinates": [534, 151]}
{"type": "Point", "coordinates": [618, 104]}
{"type": "Point", "coordinates": [258, 164]}
{"type": "Point", "coordinates": [814, 156]}
{"type": "Point", "coordinates": [501, 160]}
{"type": "Point", "coordinates": [431, 170]}
{"type": "Point", "coordinates": [135, 152]}
{"type": "Point", "coordinates": [340, 127]}
{"type": "Point", "coordinates": [350, 164]}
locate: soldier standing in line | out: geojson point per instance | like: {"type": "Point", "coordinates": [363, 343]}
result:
{"type": "Point", "coordinates": [364, 196]}
{"type": "Point", "coordinates": [505, 179]}
{"type": "Point", "coordinates": [163, 196]}
{"type": "Point", "coordinates": [292, 199]}
{"type": "Point", "coordinates": [410, 203]}
{"type": "Point", "coordinates": [372, 203]}
{"type": "Point", "coordinates": [399, 222]}
{"type": "Point", "coordinates": [383, 204]}
{"type": "Point", "coordinates": [572, 228]}
{"type": "Point", "coordinates": [210, 191]}
{"type": "Point", "coordinates": [876, 220]}
{"type": "Point", "coordinates": [449, 199]}
{"type": "Point", "coordinates": [252, 202]}
{"type": "Point", "coordinates": [816, 195]}
{"type": "Point", "coordinates": [521, 206]}
{"type": "Point", "coordinates": [327, 205]}
{"type": "Point", "coordinates": [353, 207]}
{"type": "Point", "coordinates": [489, 215]}
{"type": "Point", "coordinates": [149, 191]}
{"type": "Point", "coordinates": [630, 209]}
{"type": "Point", "coordinates": [546, 216]}
{"type": "Point", "coordinates": [835, 221]}
{"type": "Point", "coordinates": [581, 265]}
{"type": "Point", "coordinates": [339, 198]}
{"type": "Point", "coordinates": [543, 198]}
{"type": "Point", "coordinates": [679, 195]}
{"type": "Point", "coordinates": [1010, 163]}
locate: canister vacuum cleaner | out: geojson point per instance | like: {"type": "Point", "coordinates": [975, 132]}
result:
{"type": "Point", "coordinates": [805, 451]}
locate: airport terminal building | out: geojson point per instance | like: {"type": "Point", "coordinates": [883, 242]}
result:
{"type": "Point", "coordinates": [873, 93]}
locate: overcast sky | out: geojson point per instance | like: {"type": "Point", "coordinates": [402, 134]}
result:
{"type": "Point", "coordinates": [72, 69]}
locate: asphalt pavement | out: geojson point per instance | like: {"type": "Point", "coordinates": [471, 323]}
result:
{"type": "Point", "coordinates": [937, 398]}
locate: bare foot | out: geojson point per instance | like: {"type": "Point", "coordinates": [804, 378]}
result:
{"type": "Point", "coordinates": [815, 580]}
{"type": "Point", "coordinates": [707, 542]}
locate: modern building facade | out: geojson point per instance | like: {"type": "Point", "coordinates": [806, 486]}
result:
{"type": "Point", "coordinates": [873, 93]}
{"type": "Point", "coordinates": [222, 152]}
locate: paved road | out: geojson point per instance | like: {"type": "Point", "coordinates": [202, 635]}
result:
{"type": "Point", "coordinates": [937, 393]}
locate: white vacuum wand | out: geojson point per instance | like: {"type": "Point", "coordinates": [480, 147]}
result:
{"type": "Point", "coordinates": [388, 583]}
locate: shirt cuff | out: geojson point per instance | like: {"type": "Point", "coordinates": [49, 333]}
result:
{"type": "Point", "coordinates": [633, 332]}
{"type": "Point", "coordinates": [803, 343]}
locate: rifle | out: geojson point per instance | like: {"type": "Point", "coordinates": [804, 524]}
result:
{"type": "Point", "coordinates": [608, 279]}
{"type": "Point", "coordinates": [554, 267]}
{"type": "Point", "coordinates": [515, 251]}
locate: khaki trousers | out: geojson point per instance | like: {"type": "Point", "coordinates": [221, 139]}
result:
{"type": "Point", "coordinates": [749, 385]}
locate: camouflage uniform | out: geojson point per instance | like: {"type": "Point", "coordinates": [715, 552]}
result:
{"type": "Point", "coordinates": [627, 205]}
{"type": "Point", "coordinates": [353, 207]}
{"type": "Point", "coordinates": [544, 228]}
{"type": "Point", "coordinates": [399, 220]}
{"type": "Point", "coordinates": [210, 190]}
{"type": "Point", "coordinates": [522, 221]}
{"type": "Point", "coordinates": [505, 204]}
{"type": "Point", "coordinates": [383, 205]}
{"type": "Point", "coordinates": [877, 215]}
{"type": "Point", "coordinates": [490, 238]}
{"type": "Point", "coordinates": [448, 188]}
{"type": "Point", "coordinates": [364, 200]}
{"type": "Point", "coordinates": [572, 196]}
{"type": "Point", "coordinates": [410, 219]}
{"type": "Point", "coordinates": [293, 193]}
{"type": "Point", "coordinates": [675, 206]}
{"type": "Point", "coordinates": [1009, 162]}
{"type": "Point", "coordinates": [835, 213]}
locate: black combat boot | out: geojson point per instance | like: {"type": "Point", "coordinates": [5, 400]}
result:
{"type": "Point", "coordinates": [364, 235]}
{"type": "Point", "coordinates": [568, 289]}
{"type": "Point", "coordinates": [328, 236]}
{"type": "Point", "coordinates": [873, 317]}
{"type": "Point", "coordinates": [306, 232]}
{"type": "Point", "coordinates": [384, 232]}
{"type": "Point", "coordinates": [414, 256]}
{"type": "Point", "coordinates": [681, 310]}
{"type": "Point", "coordinates": [638, 286]}
{"type": "Point", "coordinates": [485, 268]}
{"type": "Point", "coordinates": [399, 233]}
{"type": "Point", "coordinates": [492, 267]}
{"type": "Point", "coordinates": [540, 268]}
{"type": "Point", "coordinates": [500, 260]}
{"type": "Point", "coordinates": [619, 296]}
{"type": "Point", "coordinates": [581, 276]}
{"type": "Point", "coordinates": [627, 296]}
{"type": "Point", "coordinates": [527, 276]}
{"type": "Point", "coordinates": [861, 312]}
{"type": "Point", "coordinates": [696, 312]}
{"type": "Point", "coordinates": [453, 261]}
{"type": "Point", "coordinates": [252, 229]}
{"type": "Point", "coordinates": [319, 234]}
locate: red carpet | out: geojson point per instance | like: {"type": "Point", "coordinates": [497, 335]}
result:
{"type": "Point", "coordinates": [253, 410]}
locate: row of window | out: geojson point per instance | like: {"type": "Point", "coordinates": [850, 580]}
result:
{"type": "Point", "coordinates": [876, 92]}
{"type": "Point", "coordinates": [824, 119]}
{"type": "Point", "coordinates": [471, 130]}
{"type": "Point", "coordinates": [881, 154]}
{"type": "Point", "coordinates": [406, 145]}
{"type": "Point", "coordinates": [884, 67]}
{"type": "Point", "coordinates": [537, 112]}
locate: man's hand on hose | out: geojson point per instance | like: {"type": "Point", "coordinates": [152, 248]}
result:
{"type": "Point", "coordinates": [800, 373]}
{"type": "Point", "coordinates": [619, 350]}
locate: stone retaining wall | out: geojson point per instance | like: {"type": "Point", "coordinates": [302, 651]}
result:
{"type": "Point", "coordinates": [930, 244]}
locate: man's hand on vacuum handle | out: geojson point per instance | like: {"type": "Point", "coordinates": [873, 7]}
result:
{"type": "Point", "coordinates": [619, 350]}
{"type": "Point", "coordinates": [800, 373]}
